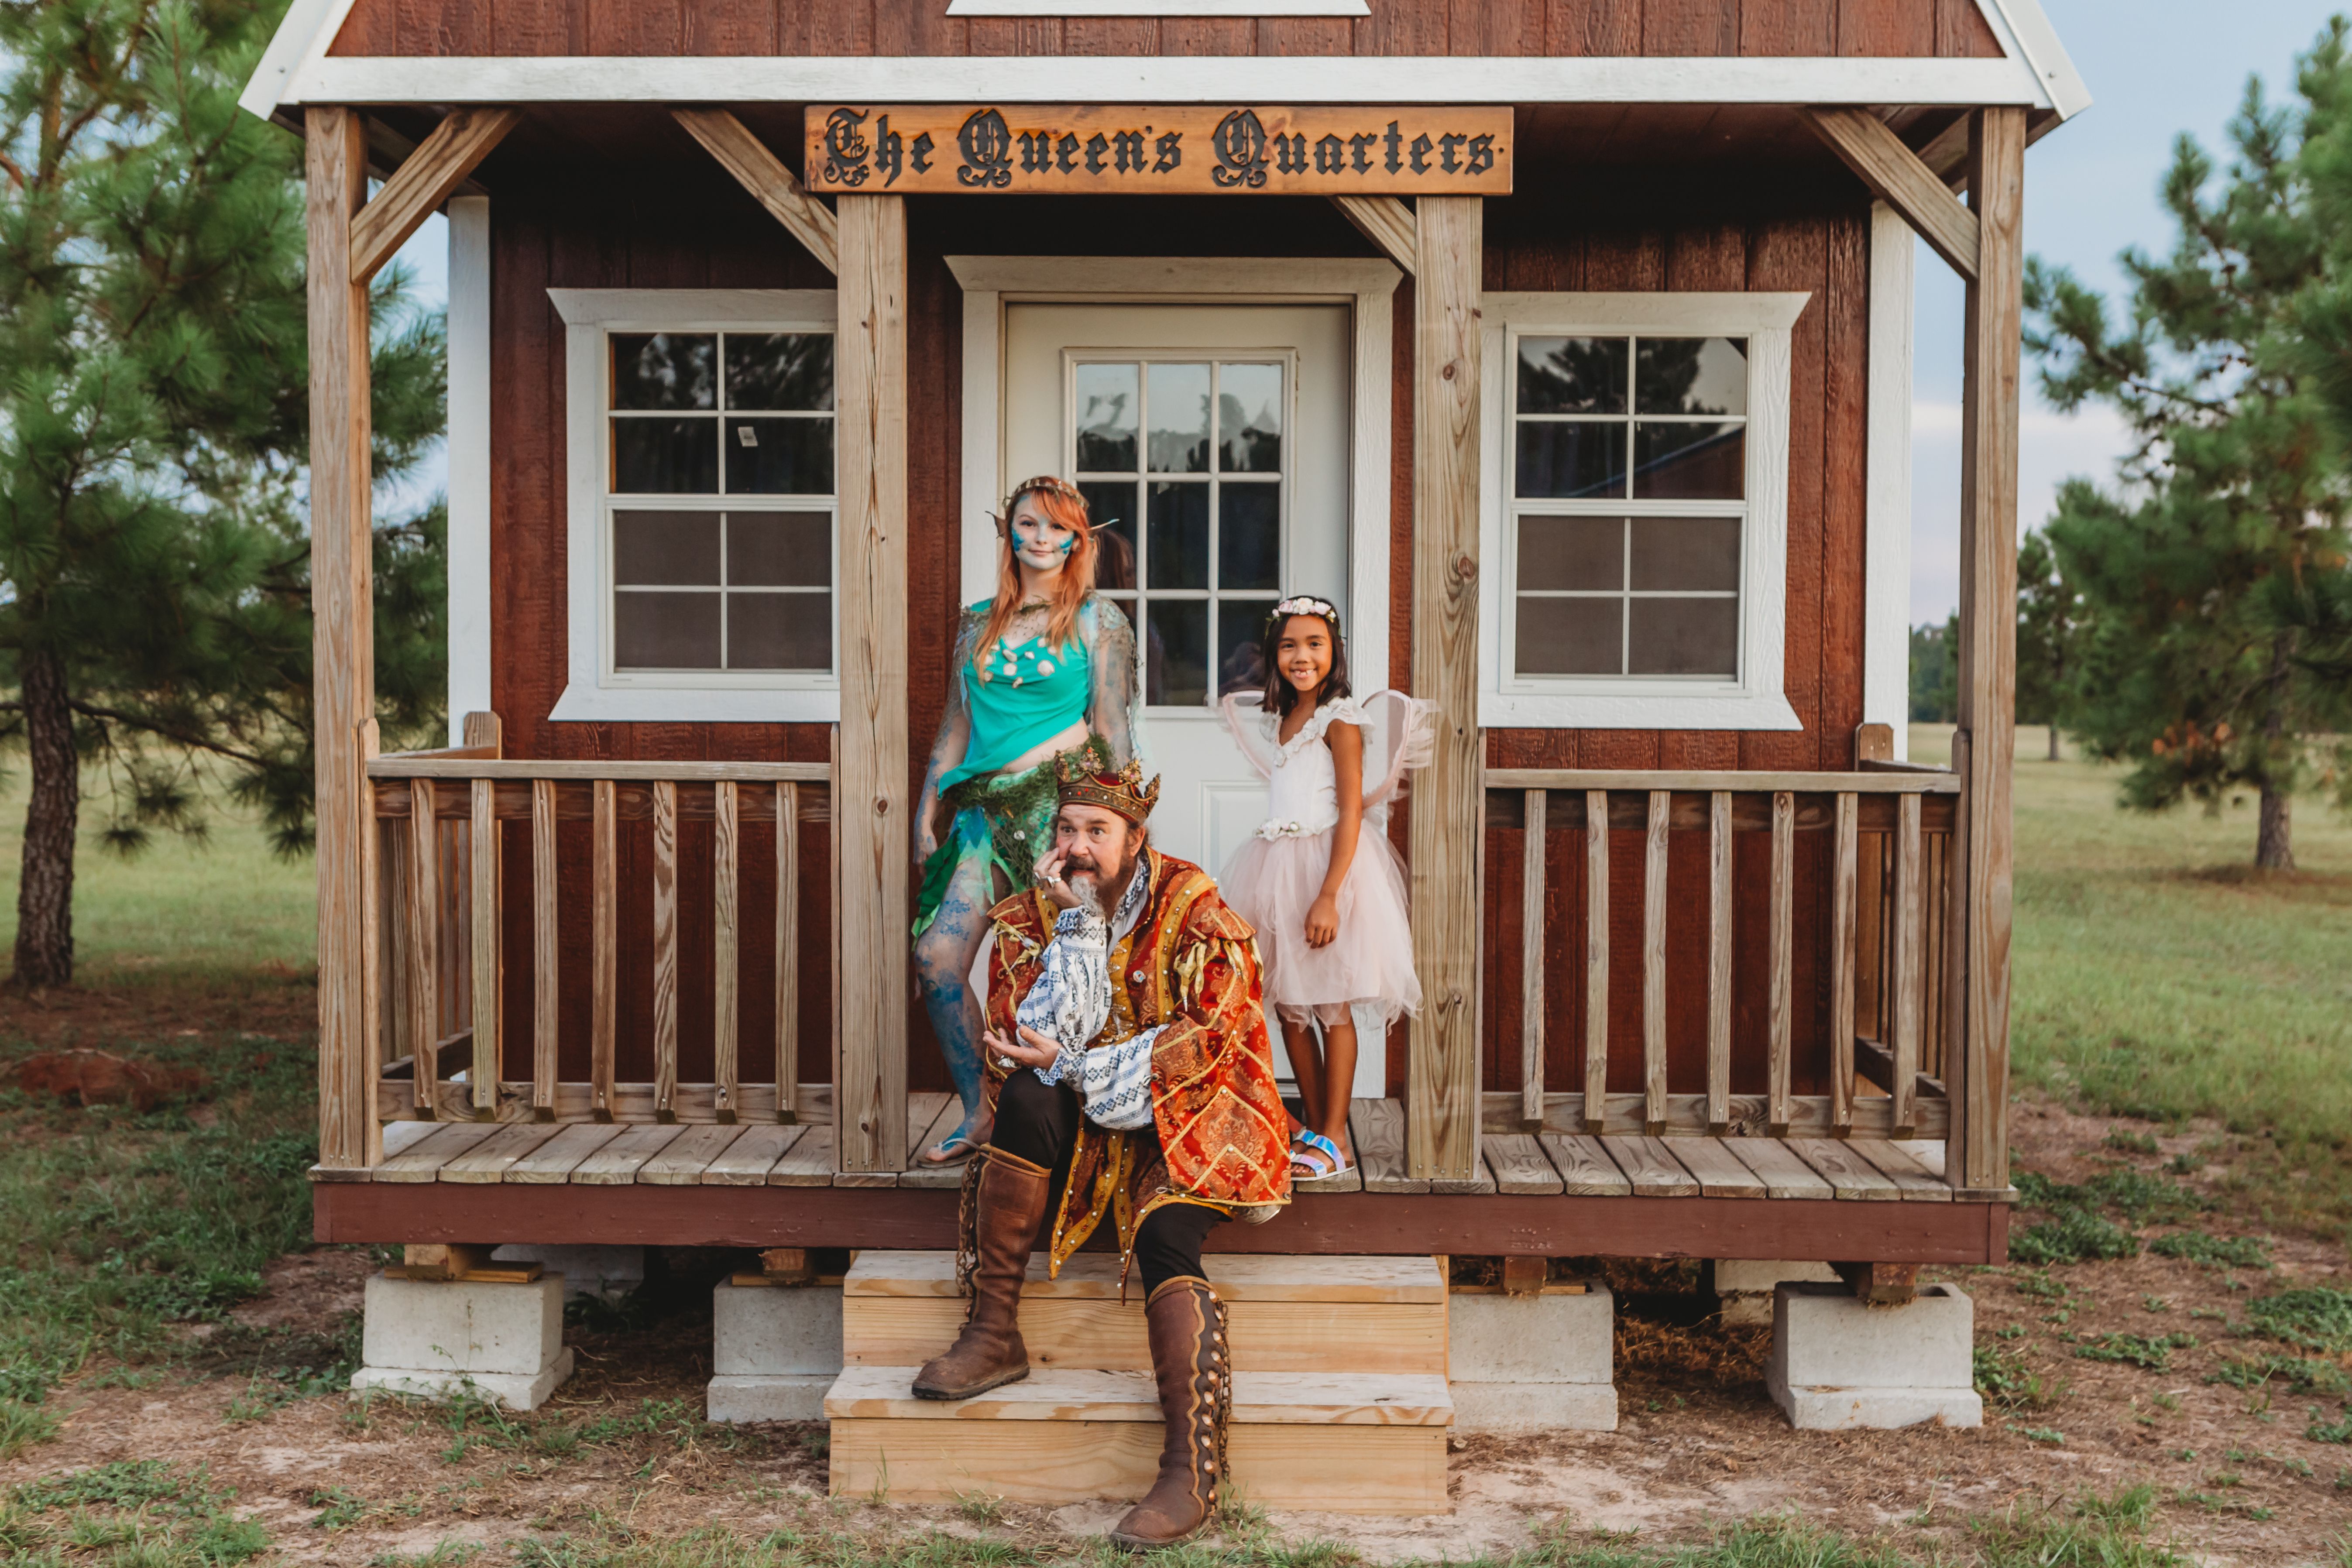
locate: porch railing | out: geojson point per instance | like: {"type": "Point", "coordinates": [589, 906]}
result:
{"type": "Point", "coordinates": [1890, 877]}
{"type": "Point", "coordinates": [438, 946]}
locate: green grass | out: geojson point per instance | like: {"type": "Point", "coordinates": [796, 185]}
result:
{"type": "Point", "coordinates": [2158, 975]}
{"type": "Point", "coordinates": [220, 903]}
{"type": "Point", "coordinates": [139, 1514]}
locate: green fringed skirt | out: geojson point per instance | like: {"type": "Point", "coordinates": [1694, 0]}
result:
{"type": "Point", "coordinates": [1007, 817]}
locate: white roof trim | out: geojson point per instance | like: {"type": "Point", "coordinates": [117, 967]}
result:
{"type": "Point", "coordinates": [302, 37]}
{"type": "Point", "coordinates": [2025, 33]}
{"type": "Point", "coordinates": [1185, 78]}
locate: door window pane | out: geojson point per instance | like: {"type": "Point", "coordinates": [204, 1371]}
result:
{"type": "Point", "coordinates": [779, 550]}
{"type": "Point", "coordinates": [665, 457]}
{"type": "Point", "coordinates": [1571, 375]}
{"type": "Point", "coordinates": [780, 631]}
{"type": "Point", "coordinates": [665, 630]}
{"type": "Point", "coordinates": [1249, 536]}
{"type": "Point", "coordinates": [665, 370]}
{"type": "Point", "coordinates": [1249, 418]}
{"type": "Point", "coordinates": [1683, 636]}
{"type": "Point", "coordinates": [1570, 637]}
{"type": "Point", "coordinates": [780, 456]}
{"type": "Point", "coordinates": [1241, 654]}
{"type": "Point", "coordinates": [1179, 536]}
{"type": "Point", "coordinates": [1176, 652]}
{"type": "Point", "coordinates": [1107, 409]}
{"type": "Point", "coordinates": [1179, 396]}
{"type": "Point", "coordinates": [779, 370]}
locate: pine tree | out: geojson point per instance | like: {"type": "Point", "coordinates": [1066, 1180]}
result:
{"type": "Point", "coordinates": [2049, 620]}
{"type": "Point", "coordinates": [153, 599]}
{"type": "Point", "coordinates": [2233, 492]}
{"type": "Point", "coordinates": [1936, 672]}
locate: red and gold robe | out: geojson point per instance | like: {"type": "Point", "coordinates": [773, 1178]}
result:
{"type": "Point", "coordinates": [1219, 1135]}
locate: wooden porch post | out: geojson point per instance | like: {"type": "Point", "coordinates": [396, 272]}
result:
{"type": "Point", "coordinates": [872, 811]}
{"type": "Point", "coordinates": [343, 640]}
{"type": "Point", "coordinates": [1448, 803]}
{"type": "Point", "coordinates": [1977, 1154]}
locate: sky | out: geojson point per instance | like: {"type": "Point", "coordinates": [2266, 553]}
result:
{"type": "Point", "coordinates": [2154, 68]}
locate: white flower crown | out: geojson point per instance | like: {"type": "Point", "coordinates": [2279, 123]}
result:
{"type": "Point", "coordinates": [1309, 605]}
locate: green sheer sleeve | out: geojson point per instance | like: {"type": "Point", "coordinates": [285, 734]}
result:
{"type": "Point", "coordinates": [954, 738]}
{"type": "Point", "coordinates": [1115, 706]}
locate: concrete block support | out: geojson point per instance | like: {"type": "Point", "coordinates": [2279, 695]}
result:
{"type": "Point", "coordinates": [1532, 1363]}
{"type": "Point", "coordinates": [775, 1349]}
{"type": "Point", "coordinates": [1743, 1286]}
{"type": "Point", "coordinates": [610, 1272]}
{"type": "Point", "coordinates": [448, 1339]}
{"type": "Point", "coordinates": [1838, 1365]}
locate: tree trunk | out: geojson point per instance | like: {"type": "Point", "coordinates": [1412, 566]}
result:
{"type": "Point", "coordinates": [2274, 840]}
{"type": "Point", "coordinates": [2053, 743]}
{"type": "Point", "coordinates": [45, 893]}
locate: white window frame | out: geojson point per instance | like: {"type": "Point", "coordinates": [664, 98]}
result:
{"type": "Point", "coordinates": [1754, 700]}
{"type": "Point", "coordinates": [594, 692]}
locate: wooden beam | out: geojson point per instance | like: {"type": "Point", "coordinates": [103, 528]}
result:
{"type": "Point", "coordinates": [871, 803]}
{"type": "Point", "coordinates": [343, 643]}
{"type": "Point", "coordinates": [763, 175]}
{"type": "Point", "coordinates": [1387, 223]}
{"type": "Point", "coordinates": [1449, 806]}
{"type": "Point", "coordinates": [1896, 176]}
{"type": "Point", "coordinates": [419, 186]}
{"type": "Point", "coordinates": [1533, 967]}
{"type": "Point", "coordinates": [1988, 650]}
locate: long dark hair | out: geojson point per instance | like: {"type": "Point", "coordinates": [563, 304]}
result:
{"type": "Point", "coordinates": [1281, 697]}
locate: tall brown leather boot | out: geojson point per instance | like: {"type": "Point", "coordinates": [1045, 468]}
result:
{"type": "Point", "coordinates": [989, 1353]}
{"type": "Point", "coordinates": [1186, 1325]}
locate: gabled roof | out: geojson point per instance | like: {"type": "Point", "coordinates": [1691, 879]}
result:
{"type": "Point", "coordinates": [2035, 72]}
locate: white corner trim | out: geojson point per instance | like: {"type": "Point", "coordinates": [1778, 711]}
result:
{"type": "Point", "coordinates": [588, 314]}
{"type": "Point", "coordinates": [2025, 33]}
{"type": "Point", "coordinates": [1886, 548]}
{"type": "Point", "coordinates": [1756, 701]}
{"type": "Point", "coordinates": [1238, 8]}
{"type": "Point", "coordinates": [1367, 284]}
{"type": "Point", "coordinates": [469, 461]}
{"type": "Point", "coordinates": [302, 38]}
{"type": "Point", "coordinates": [1149, 78]}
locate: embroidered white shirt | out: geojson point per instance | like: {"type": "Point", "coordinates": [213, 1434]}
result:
{"type": "Point", "coordinates": [1070, 1004]}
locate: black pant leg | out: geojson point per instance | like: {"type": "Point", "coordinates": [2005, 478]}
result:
{"type": "Point", "coordinates": [1036, 1122]}
{"type": "Point", "coordinates": [1168, 1244]}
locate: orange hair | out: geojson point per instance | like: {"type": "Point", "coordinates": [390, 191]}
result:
{"type": "Point", "coordinates": [1057, 500]}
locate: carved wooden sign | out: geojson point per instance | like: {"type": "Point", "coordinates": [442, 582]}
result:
{"type": "Point", "coordinates": [1157, 150]}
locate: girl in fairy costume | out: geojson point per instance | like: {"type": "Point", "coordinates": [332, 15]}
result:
{"type": "Point", "coordinates": [1043, 668]}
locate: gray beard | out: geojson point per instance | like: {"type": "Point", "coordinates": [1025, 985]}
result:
{"type": "Point", "coordinates": [1089, 893]}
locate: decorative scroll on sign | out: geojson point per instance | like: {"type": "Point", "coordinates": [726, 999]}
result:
{"type": "Point", "coordinates": [1163, 150]}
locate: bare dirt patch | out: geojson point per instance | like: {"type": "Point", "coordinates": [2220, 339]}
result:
{"type": "Point", "coordinates": [274, 1000]}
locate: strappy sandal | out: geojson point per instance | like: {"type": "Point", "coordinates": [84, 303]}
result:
{"type": "Point", "coordinates": [953, 1149]}
{"type": "Point", "coordinates": [1316, 1145]}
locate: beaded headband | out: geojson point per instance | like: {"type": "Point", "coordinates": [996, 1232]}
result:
{"type": "Point", "coordinates": [1123, 792]}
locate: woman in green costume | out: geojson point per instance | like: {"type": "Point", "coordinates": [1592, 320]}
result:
{"type": "Point", "coordinates": [1044, 666]}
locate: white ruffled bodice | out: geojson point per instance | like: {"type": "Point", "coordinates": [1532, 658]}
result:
{"type": "Point", "coordinates": [1304, 791]}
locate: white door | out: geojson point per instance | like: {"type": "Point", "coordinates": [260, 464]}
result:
{"type": "Point", "coordinates": [1212, 443]}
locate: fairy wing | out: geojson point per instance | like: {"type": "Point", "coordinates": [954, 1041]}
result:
{"type": "Point", "coordinates": [1245, 719]}
{"type": "Point", "coordinates": [1400, 734]}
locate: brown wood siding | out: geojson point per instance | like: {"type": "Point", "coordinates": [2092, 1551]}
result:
{"type": "Point", "coordinates": [1477, 27]}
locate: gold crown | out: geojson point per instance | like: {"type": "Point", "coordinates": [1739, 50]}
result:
{"type": "Point", "coordinates": [1085, 777]}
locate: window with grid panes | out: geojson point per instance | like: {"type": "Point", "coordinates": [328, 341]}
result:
{"type": "Point", "coordinates": [1627, 507]}
{"type": "Point", "coordinates": [1182, 465]}
{"type": "Point", "coordinates": [720, 502]}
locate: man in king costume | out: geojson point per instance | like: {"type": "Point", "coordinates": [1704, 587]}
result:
{"type": "Point", "coordinates": [1132, 1080]}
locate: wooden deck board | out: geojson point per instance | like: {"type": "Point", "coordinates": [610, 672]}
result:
{"type": "Point", "coordinates": [553, 1162]}
{"type": "Point", "coordinates": [808, 1162]}
{"type": "Point", "coordinates": [1850, 1177]}
{"type": "Point", "coordinates": [746, 1161]}
{"type": "Point", "coordinates": [1650, 1164]}
{"type": "Point", "coordinates": [1913, 1180]}
{"type": "Point", "coordinates": [1783, 1175]}
{"type": "Point", "coordinates": [489, 1161]}
{"type": "Point", "coordinates": [689, 1155]}
{"type": "Point", "coordinates": [1719, 1172]}
{"type": "Point", "coordinates": [926, 1131]}
{"type": "Point", "coordinates": [1585, 1168]}
{"type": "Point", "coordinates": [1378, 1126]}
{"type": "Point", "coordinates": [423, 1160]}
{"type": "Point", "coordinates": [1517, 1162]}
{"type": "Point", "coordinates": [616, 1164]}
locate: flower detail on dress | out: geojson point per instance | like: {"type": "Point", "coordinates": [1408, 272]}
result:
{"type": "Point", "coordinates": [1284, 827]}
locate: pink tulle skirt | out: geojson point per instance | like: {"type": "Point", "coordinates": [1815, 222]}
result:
{"type": "Point", "coordinates": [1272, 883]}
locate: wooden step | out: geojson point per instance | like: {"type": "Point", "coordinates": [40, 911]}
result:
{"type": "Point", "coordinates": [1292, 1315]}
{"type": "Point", "coordinates": [1064, 1436]}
